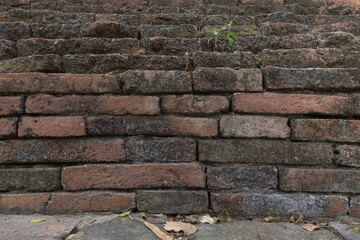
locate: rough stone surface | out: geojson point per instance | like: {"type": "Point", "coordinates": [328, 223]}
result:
{"type": "Point", "coordinates": [223, 59]}
{"type": "Point", "coordinates": [254, 126]}
{"type": "Point", "coordinates": [243, 204]}
{"type": "Point", "coordinates": [170, 201]}
{"type": "Point", "coordinates": [355, 206]}
{"type": "Point", "coordinates": [242, 178]}
{"type": "Point", "coordinates": [108, 29]}
{"type": "Point", "coordinates": [7, 49]}
{"type": "Point", "coordinates": [347, 155]}
{"type": "Point", "coordinates": [161, 150]}
{"type": "Point", "coordinates": [62, 151]}
{"type": "Point", "coordinates": [28, 179]}
{"type": "Point", "coordinates": [227, 80]}
{"type": "Point", "coordinates": [14, 30]}
{"type": "Point", "coordinates": [133, 176]}
{"type": "Point", "coordinates": [36, 63]}
{"type": "Point", "coordinates": [11, 106]}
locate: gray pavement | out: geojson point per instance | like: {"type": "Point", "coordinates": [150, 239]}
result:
{"type": "Point", "coordinates": [112, 227]}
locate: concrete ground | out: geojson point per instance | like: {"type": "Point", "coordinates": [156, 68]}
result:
{"type": "Point", "coordinates": [112, 227]}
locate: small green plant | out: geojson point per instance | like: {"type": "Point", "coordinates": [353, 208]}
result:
{"type": "Point", "coordinates": [223, 37]}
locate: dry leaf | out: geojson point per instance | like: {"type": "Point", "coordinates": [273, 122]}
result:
{"type": "Point", "coordinates": [186, 228]}
{"type": "Point", "coordinates": [160, 234]}
{"type": "Point", "coordinates": [260, 237]}
{"type": "Point", "coordinates": [300, 219]}
{"type": "Point", "coordinates": [310, 227]}
{"type": "Point", "coordinates": [37, 220]}
{"type": "Point", "coordinates": [192, 219]}
{"type": "Point", "coordinates": [224, 216]}
{"type": "Point", "coordinates": [292, 219]}
{"type": "Point", "coordinates": [137, 50]}
{"type": "Point", "coordinates": [124, 214]}
{"type": "Point", "coordinates": [272, 219]}
{"type": "Point", "coordinates": [207, 219]}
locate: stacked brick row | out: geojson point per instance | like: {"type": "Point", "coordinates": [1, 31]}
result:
{"type": "Point", "coordinates": [268, 127]}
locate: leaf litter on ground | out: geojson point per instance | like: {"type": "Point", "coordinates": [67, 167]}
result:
{"type": "Point", "coordinates": [37, 220]}
{"type": "Point", "coordinates": [180, 228]}
{"type": "Point", "coordinates": [160, 234]}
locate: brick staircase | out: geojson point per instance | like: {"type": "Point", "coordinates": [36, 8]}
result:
{"type": "Point", "coordinates": [107, 105]}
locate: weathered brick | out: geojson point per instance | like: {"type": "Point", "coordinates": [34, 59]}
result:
{"type": "Point", "coordinates": [319, 180]}
{"type": "Point", "coordinates": [14, 3]}
{"type": "Point", "coordinates": [62, 151]}
{"type": "Point", "coordinates": [161, 150]}
{"type": "Point", "coordinates": [339, 130]}
{"type": "Point", "coordinates": [310, 58]}
{"type": "Point", "coordinates": [255, 205]}
{"type": "Point", "coordinates": [64, 31]}
{"type": "Point", "coordinates": [170, 31]}
{"type": "Point", "coordinates": [51, 126]}
{"type": "Point", "coordinates": [172, 202]}
{"type": "Point", "coordinates": [292, 104]}
{"type": "Point", "coordinates": [127, 18]}
{"type": "Point", "coordinates": [90, 202]}
{"type": "Point", "coordinates": [105, 63]}
{"type": "Point", "coordinates": [252, 151]}
{"type": "Point", "coordinates": [282, 28]}
{"type": "Point", "coordinates": [146, 81]}
{"type": "Point", "coordinates": [264, 151]}
{"type": "Point", "coordinates": [280, 16]}
{"type": "Point", "coordinates": [189, 3]}
{"type": "Point", "coordinates": [234, 177]}
{"type": "Point", "coordinates": [23, 203]}
{"type": "Point", "coordinates": [7, 49]}
{"type": "Point", "coordinates": [11, 105]}
{"type": "Point", "coordinates": [133, 176]}
{"type": "Point", "coordinates": [194, 104]}
{"type": "Point", "coordinates": [30, 179]}
{"type": "Point", "coordinates": [108, 29]}
{"type": "Point", "coordinates": [333, 79]}
{"type": "Point", "coordinates": [240, 30]}
{"type": "Point", "coordinates": [111, 126]}
{"type": "Point", "coordinates": [122, 2]}
{"type": "Point", "coordinates": [48, 104]}
{"type": "Point", "coordinates": [266, 2]}
{"type": "Point", "coordinates": [227, 80]}
{"type": "Point", "coordinates": [308, 153]}
{"type": "Point", "coordinates": [14, 30]}
{"type": "Point", "coordinates": [171, 126]}
{"type": "Point", "coordinates": [340, 40]}
{"type": "Point", "coordinates": [36, 63]}
{"type": "Point", "coordinates": [224, 59]}
{"type": "Point", "coordinates": [355, 206]}
{"type": "Point", "coordinates": [31, 83]}
{"type": "Point", "coordinates": [8, 127]}
{"type": "Point", "coordinates": [350, 27]}
{"type": "Point", "coordinates": [254, 126]}
{"type": "Point", "coordinates": [34, 46]}
{"type": "Point", "coordinates": [170, 46]}
{"type": "Point", "coordinates": [347, 155]}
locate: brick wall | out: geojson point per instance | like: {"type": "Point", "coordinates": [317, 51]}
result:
{"type": "Point", "coordinates": [268, 127]}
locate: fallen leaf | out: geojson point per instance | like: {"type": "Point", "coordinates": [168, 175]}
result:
{"type": "Point", "coordinates": [310, 227]}
{"type": "Point", "coordinates": [124, 214]}
{"type": "Point", "coordinates": [300, 219]}
{"type": "Point", "coordinates": [137, 50]}
{"type": "Point", "coordinates": [272, 219]}
{"type": "Point", "coordinates": [356, 229]}
{"type": "Point", "coordinates": [37, 220]}
{"type": "Point", "coordinates": [160, 234]}
{"type": "Point", "coordinates": [260, 237]}
{"type": "Point", "coordinates": [292, 219]}
{"type": "Point", "coordinates": [224, 216]}
{"type": "Point", "coordinates": [207, 219]}
{"type": "Point", "coordinates": [192, 219]}
{"type": "Point", "coordinates": [186, 228]}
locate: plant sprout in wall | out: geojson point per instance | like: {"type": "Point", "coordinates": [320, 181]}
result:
{"type": "Point", "coordinates": [223, 37]}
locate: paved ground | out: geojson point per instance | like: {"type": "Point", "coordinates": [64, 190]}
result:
{"type": "Point", "coordinates": [111, 227]}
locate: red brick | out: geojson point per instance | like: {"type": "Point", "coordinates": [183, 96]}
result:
{"type": "Point", "coordinates": [90, 202]}
{"type": "Point", "coordinates": [326, 130]}
{"type": "Point", "coordinates": [355, 206]}
{"type": "Point", "coordinates": [23, 203]}
{"type": "Point", "coordinates": [254, 126]}
{"type": "Point", "coordinates": [347, 155]}
{"type": "Point", "coordinates": [51, 127]}
{"type": "Point", "coordinates": [249, 205]}
{"type": "Point", "coordinates": [11, 105]}
{"type": "Point", "coordinates": [224, 59]}
{"type": "Point", "coordinates": [47, 104]}
{"type": "Point", "coordinates": [171, 126]}
{"type": "Point", "coordinates": [292, 104]}
{"type": "Point", "coordinates": [192, 104]}
{"type": "Point", "coordinates": [133, 176]}
{"type": "Point", "coordinates": [7, 127]}
{"type": "Point", "coordinates": [319, 180]}
{"type": "Point", "coordinates": [31, 83]}
{"type": "Point", "coordinates": [62, 151]}
{"type": "Point", "coordinates": [227, 80]}
{"type": "Point", "coordinates": [172, 202]}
